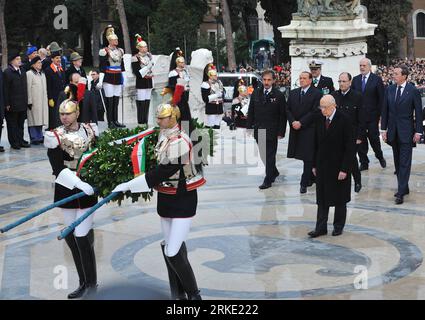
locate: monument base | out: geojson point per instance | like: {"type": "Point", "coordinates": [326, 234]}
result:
{"type": "Point", "coordinates": [339, 42]}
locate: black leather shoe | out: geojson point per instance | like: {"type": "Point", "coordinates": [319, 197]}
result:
{"type": "Point", "coordinates": [265, 185]}
{"type": "Point", "coordinates": [275, 176]}
{"type": "Point", "coordinates": [111, 125]}
{"type": "Point", "coordinates": [336, 233]}
{"type": "Point", "coordinates": [315, 234]}
{"type": "Point", "coordinates": [36, 143]}
{"type": "Point", "coordinates": [119, 125]}
{"type": "Point", "coordinates": [1, 149]}
{"type": "Point", "coordinates": [399, 200]}
{"type": "Point", "coordinates": [406, 193]}
{"type": "Point", "coordinates": [15, 147]}
{"type": "Point", "coordinates": [78, 293]}
{"type": "Point", "coordinates": [25, 145]}
{"type": "Point", "coordinates": [303, 189]}
{"type": "Point", "coordinates": [383, 163]}
{"type": "Point", "coordinates": [357, 187]}
{"type": "Point", "coordinates": [363, 167]}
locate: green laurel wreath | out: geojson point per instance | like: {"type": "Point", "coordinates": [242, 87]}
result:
{"type": "Point", "coordinates": [111, 164]}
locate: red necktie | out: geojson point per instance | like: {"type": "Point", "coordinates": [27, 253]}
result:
{"type": "Point", "coordinates": [328, 123]}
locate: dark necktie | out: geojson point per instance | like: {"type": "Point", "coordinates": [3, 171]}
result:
{"type": "Point", "coordinates": [397, 98]}
{"type": "Point", "coordinates": [266, 93]}
{"type": "Point", "coordinates": [363, 83]}
{"type": "Point", "coordinates": [302, 95]}
{"type": "Point", "coordinates": [328, 123]}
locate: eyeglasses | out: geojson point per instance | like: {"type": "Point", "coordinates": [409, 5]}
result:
{"type": "Point", "coordinates": [342, 81]}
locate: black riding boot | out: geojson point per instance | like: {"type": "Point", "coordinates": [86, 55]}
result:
{"type": "Point", "coordinates": [72, 244]}
{"type": "Point", "coordinates": [139, 105]}
{"type": "Point", "coordinates": [146, 110]}
{"type": "Point", "coordinates": [115, 112]}
{"type": "Point", "coordinates": [177, 291]}
{"type": "Point", "coordinates": [109, 102]}
{"type": "Point", "coordinates": [88, 259]}
{"type": "Point", "coordinates": [181, 266]}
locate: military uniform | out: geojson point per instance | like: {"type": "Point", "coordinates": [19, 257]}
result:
{"type": "Point", "coordinates": [212, 94]}
{"type": "Point", "coordinates": [324, 84]}
{"type": "Point", "coordinates": [141, 64]}
{"type": "Point", "coordinates": [240, 106]}
{"type": "Point", "coordinates": [176, 178]}
{"type": "Point", "coordinates": [65, 146]}
{"type": "Point", "coordinates": [112, 65]}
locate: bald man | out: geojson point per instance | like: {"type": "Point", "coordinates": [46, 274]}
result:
{"type": "Point", "coordinates": [333, 158]}
{"type": "Point", "coordinates": [372, 89]}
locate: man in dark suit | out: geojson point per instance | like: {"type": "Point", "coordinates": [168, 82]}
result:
{"type": "Point", "coordinates": [15, 101]}
{"type": "Point", "coordinates": [324, 84]}
{"type": "Point", "coordinates": [267, 116]}
{"type": "Point", "coordinates": [402, 126]}
{"type": "Point", "coordinates": [1, 107]}
{"type": "Point", "coordinates": [76, 67]}
{"type": "Point", "coordinates": [350, 102]}
{"type": "Point", "coordinates": [55, 77]}
{"type": "Point", "coordinates": [302, 112]}
{"type": "Point", "coordinates": [372, 89]}
{"type": "Point", "coordinates": [333, 159]}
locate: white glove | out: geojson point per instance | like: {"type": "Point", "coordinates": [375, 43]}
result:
{"type": "Point", "coordinates": [99, 86]}
{"type": "Point", "coordinates": [213, 97]}
{"type": "Point", "coordinates": [136, 185]}
{"type": "Point", "coordinates": [69, 180]}
{"type": "Point", "coordinates": [123, 187]}
{"type": "Point", "coordinates": [85, 187]}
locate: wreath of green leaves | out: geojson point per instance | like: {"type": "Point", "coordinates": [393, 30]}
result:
{"type": "Point", "coordinates": [111, 164]}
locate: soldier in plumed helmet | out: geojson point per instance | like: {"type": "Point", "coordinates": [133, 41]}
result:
{"type": "Point", "coordinates": [141, 64]}
{"type": "Point", "coordinates": [213, 94]}
{"type": "Point", "coordinates": [176, 178]}
{"type": "Point", "coordinates": [65, 146]}
{"type": "Point", "coordinates": [112, 65]}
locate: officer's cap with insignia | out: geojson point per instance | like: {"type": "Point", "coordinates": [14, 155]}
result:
{"type": "Point", "coordinates": [315, 64]}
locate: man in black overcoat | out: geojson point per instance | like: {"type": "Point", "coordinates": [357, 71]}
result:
{"type": "Point", "coordinates": [15, 101]}
{"type": "Point", "coordinates": [350, 102]}
{"type": "Point", "coordinates": [302, 111]}
{"type": "Point", "coordinates": [333, 158]}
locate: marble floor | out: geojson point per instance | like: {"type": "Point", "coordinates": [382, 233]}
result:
{"type": "Point", "coordinates": [244, 243]}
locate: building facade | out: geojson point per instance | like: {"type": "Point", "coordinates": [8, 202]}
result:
{"type": "Point", "coordinates": [417, 31]}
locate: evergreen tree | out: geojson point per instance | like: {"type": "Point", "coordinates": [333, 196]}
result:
{"type": "Point", "coordinates": [389, 16]}
{"type": "Point", "coordinates": [176, 24]}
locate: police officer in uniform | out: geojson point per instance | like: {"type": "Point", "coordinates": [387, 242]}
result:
{"type": "Point", "coordinates": [112, 65]}
{"type": "Point", "coordinates": [176, 178]}
{"type": "Point", "coordinates": [350, 102]}
{"type": "Point", "coordinates": [65, 146]}
{"type": "Point", "coordinates": [141, 64]}
{"type": "Point", "coordinates": [324, 84]}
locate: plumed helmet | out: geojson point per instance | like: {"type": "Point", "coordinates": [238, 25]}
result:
{"type": "Point", "coordinates": [70, 105]}
{"type": "Point", "coordinates": [140, 42]}
{"type": "Point", "coordinates": [166, 110]}
{"type": "Point", "coordinates": [110, 33]}
{"type": "Point", "coordinates": [177, 56]}
{"type": "Point", "coordinates": [242, 89]}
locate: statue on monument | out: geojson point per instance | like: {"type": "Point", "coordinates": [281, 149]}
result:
{"type": "Point", "coordinates": [314, 9]}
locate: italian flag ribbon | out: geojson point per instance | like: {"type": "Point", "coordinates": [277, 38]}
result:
{"type": "Point", "coordinates": [138, 156]}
